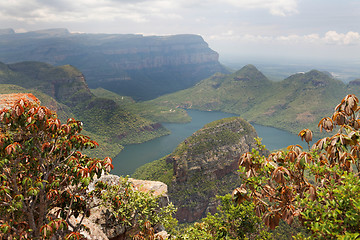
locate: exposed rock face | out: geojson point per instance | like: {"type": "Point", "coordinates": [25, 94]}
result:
{"type": "Point", "coordinates": [135, 65]}
{"type": "Point", "coordinates": [205, 165]}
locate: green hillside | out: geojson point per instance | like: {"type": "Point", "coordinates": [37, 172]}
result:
{"type": "Point", "coordinates": [297, 102]}
{"type": "Point", "coordinates": [149, 111]}
{"type": "Point", "coordinates": [64, 90]}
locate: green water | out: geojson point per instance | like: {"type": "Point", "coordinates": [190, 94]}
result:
{"type": "Point", "coordinates": [133, 156]}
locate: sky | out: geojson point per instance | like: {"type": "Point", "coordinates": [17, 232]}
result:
{"type": "Point", "coordinates": [273, 30]}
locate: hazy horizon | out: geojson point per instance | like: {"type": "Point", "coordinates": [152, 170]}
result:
{"type": "Point", "coordinates": [284, 32]}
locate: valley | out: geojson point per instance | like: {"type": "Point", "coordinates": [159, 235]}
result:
{"type": "Point", "coordinates": [135, 155]}
{"type": "Point", "coordinates": [180, 120]}
{"type": "Point", "coordinates": [297, 102]}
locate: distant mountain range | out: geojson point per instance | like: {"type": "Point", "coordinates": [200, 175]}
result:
{"type": "Point", "coordinates": [297, 102]}
{"type": "Point", "coordinates": [143, 67]}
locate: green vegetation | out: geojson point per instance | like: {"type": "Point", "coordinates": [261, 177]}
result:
{"type": "Point", "coordinates": [158, 170]}
{"type": "Point", "coordinates": [122, 126]}
{"type": "Point", "coordinates": [123, 101]}
{"type": "Point", "coordinates": [329, 206]}
{"type": "Point", "coordinates": [146, 110]}
{"type": "Point", "coordinates": [45, 181]}
{"type": "Point", "coordinates": [214, 135]}
{"type": "Point", "coordinates": [299, 194]}
{"type": "Point", "coordinates": [231, 221]}
{"type": "Point", "coordinates": [202, 166]}
{"type": "Point", "coordinates": [138, 212]}
{"type": "Point", "coordinates": [295, 103]}
{"type": "Point", "coordinates": [63, 89]}
{"type": "Point", "coordinates": [39, 161]}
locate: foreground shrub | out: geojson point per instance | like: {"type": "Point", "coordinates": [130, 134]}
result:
{"type": "Point", "coordinates": [230, 222]}
{"type": "Point", "coordinates": [320, 186]}
{"type": "Point", "coordinates": [44, 180]}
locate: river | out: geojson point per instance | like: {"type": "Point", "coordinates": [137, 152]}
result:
{"type": "Point", "coordinates": [133, 156]}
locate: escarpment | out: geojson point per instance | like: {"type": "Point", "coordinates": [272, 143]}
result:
{"type": "Point", "coordinates": [143, 67]}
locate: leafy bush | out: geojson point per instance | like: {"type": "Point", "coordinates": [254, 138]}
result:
{"type": "Point", "coordinates": [44, 180]}
{"type": "Point", "coordinates": [328, 205]}
{"type": "Point", "coordinates": [138, 212]}
{"type": "Point", "coordinates": [43, 176]}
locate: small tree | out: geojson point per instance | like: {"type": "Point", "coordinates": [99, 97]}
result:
{"type": "Point", "coordinates": [231, 221]}
{"type": "Point", "coordinates": [321, 186]}
{"type": "Point", "coordinates": [43, 176]}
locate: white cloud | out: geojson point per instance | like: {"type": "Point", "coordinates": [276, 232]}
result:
{"type": "Point", "coordinates": [350, 38]}
{"type": "Point", "coordinates": [311, 38]}
{"type": "Point", "coordinates": [331, 37]}
{"type": "Point", "coordinates": [37, 11]}
{"type": "Point", "coordinates": [289, 38]}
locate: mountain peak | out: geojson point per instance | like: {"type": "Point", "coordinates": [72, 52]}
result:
{"type": "Point", "coordinates": [250, 72]}
{"type": "Point", "coordinates": [250, 66]}
{"type": "Point", "coordinates": [317, 73]}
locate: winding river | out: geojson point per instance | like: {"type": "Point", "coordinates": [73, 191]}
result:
{"type": "Point", "coordinates": [133, 156]}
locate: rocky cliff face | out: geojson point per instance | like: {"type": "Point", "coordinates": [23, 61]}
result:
{"type": "Point", "coordinates": [129, 64]}
{"type": "Point", "coordinates": [205, 165]}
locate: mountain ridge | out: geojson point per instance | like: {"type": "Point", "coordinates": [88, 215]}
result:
{"type": "Point", "coordinates": [299, 101]}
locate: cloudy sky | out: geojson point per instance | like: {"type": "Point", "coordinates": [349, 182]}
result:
{"type": "Point", "coordinates": [254, 29]}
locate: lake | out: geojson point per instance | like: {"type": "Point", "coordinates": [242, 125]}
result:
{"type": "Point", "coordinates": [133, 156]}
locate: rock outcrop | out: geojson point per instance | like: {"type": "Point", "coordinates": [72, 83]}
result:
{"type": "Point", "coordinates": [136, 65]}
{"type": "Point", "coordinates": [98, 222]}
{"type": "Point", "coordinates": [205, 165]}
